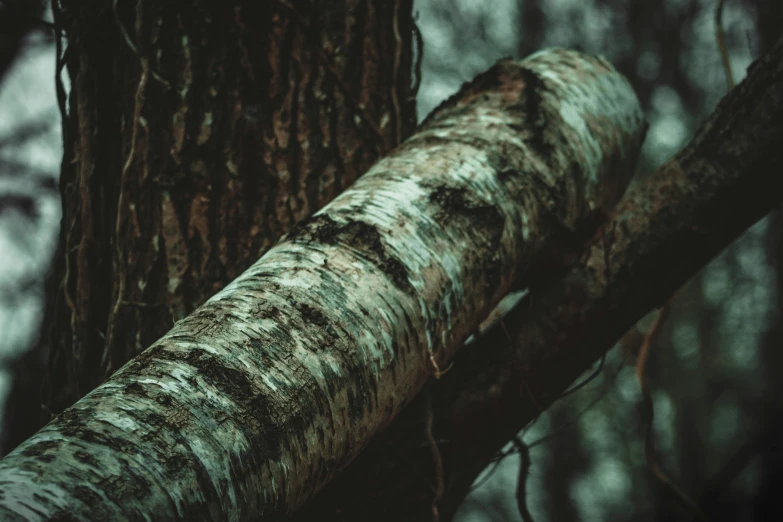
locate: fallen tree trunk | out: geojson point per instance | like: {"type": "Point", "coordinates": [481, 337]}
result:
{"type": "Point", "coordinates": [661, 233]}
{"type": "Point", "coordinates": [251, 404]}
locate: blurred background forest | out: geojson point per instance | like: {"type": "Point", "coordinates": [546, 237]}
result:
{"type": "Point", "coordinates": [716, 367]}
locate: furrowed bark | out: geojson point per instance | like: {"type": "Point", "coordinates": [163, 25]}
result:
{"type": "Point", "coordinates": [256, 400]}
{"type": "Point", "coordinates": [660, 234]}
{"type": "Point", "coordinates": [198, 134]}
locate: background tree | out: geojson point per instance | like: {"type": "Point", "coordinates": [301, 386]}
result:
{"type": "Point", "coordinates": [29, 200]}
{"type": "Point", "coordinates": [196, 134]}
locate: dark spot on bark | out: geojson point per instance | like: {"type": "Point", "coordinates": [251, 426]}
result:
{"type": "Point", "coordinates": [141, 361]}
{"type": "Point", "coordinates": [482, 222]}
{"type": "Point", "coordinates": [535, 114]}
{"type": "Point", "coordinates": [483, 218]}
{"type": "Point", "coordinates": [507, 175]}
{"type": "Point", "coordinates": [257, 348]}
{"type": "Point", "coordinates": [331, 378]}
{"type": "Point", "coordinates": [175, 463]}
{"type": "Point", "coordinates": [135, 388]}
{"type": "Point", "coordinates": [321, 229]}
{"type": "Point", "coordinates": [128, 484]}
{"type": "Point", "coordinates": [236, 386]}
{"type": "Point", "coordinates": [65, 517]}
{"type": "Point", "coordinates": [359, 236]}
{"type": "Point", "coordinates": [158, 420]}
{"type": "Point", "coordinates": [86, 458]}
{"type": "Point", "coordinates": [367, 240]}
{"type": "Point", "coordinates": [232, 381]}
{"type": "Point", "coordinates": [489, 80]}
{"type": "Point", "coordinates": [38, 449]}
{"type": "Point", "coordinates": [359, 400]}
{"type": "Point", "coordinates": [312, 315]}
{"type": "Point", "coordinates": [279, 335]}
{"type": "Point", "coordinates": [428, 141]}
{"type": "Point", "coordinates": [81, 425]}
{"type": "Point", "coordinates": [87, 496]}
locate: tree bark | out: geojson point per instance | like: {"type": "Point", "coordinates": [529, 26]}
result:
{"type": "Point", "coordinates": [251, 404]}
{"type": "Point", "coordinates": [660, 234]}
{"type": "Point", "coordinates": [197, 134]}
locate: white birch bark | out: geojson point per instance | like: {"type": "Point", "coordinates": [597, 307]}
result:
{"type": "Point", "coordinates": [251, 404]}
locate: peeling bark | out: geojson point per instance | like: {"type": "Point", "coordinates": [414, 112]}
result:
{"type": "Point", "coordinates": [198, 134]}
{"type": "Point", "coordinates": [251, 404]}
{"type": "Point", "coordinates": [659, 235]}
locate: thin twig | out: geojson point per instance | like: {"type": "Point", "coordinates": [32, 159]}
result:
{"type": "Point", "coordinates": [649, 412]}
{"type": "Point", "coordinates": [438, 372]}
{"type": "Point", "coordinates": [132, 46]}
{"type": "Point", "coordinates": [598, 398]}
{"type": "Point", "coordinates": [119, 268]}
{"type": "Point", "coordinates": [60, 63]}
{"type": "Point", "coordinates": [588, 380]}
{"type": "Point", "coordinates": [417, 63]}
{"type": "Point", "coordinates": [396, 73]}
{"type": "Point", "coordinates": [439, 483]}
{"type": "Point", "coordinates": [524, 471]}
{"type": "Point", "coordinates": [121, 26]}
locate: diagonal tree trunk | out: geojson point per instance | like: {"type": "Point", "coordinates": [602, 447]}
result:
{"type": "Point", "coordinates": [251, 404]}
{"type": "Point", "coordinates": [197, 134]}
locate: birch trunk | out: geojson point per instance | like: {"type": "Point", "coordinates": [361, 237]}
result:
{"type": "Point", "coordinates": [251, 404]}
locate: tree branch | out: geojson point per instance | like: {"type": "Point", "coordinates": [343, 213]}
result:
{"type": "Point", "coordinates": [663, 231]}
{"type": "Point", "coordinates": [254, 402]}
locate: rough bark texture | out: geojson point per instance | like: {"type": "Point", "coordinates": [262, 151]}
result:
{"type": "Point", "coordinates": [198, 134]}
{"type": "Point", "coordinates": [251, 404]}
{"type": "Point", "coordinates": [661, 233]}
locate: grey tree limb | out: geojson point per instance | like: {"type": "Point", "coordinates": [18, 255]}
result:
{"type": "Point", "coordinates": [251, 404]}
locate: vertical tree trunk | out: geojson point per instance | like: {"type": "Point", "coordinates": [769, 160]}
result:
{"type": "Point", "coordinates": [197, 134]}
